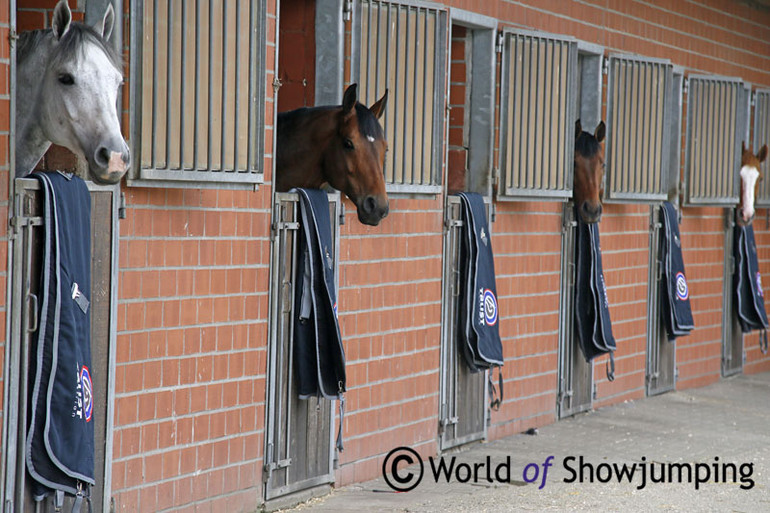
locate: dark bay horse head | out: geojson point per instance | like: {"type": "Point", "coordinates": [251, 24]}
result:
{"type": "Point", "coordinates": [750, 179]}
{"type": "Point", "coordinates": [343, 146]}
{"type": "Point", "coordinates": [589, 172]}
{"type": "Point", "coordinates": [68, 79]}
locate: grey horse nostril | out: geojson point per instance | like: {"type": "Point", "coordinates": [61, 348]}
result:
{"type": "Point", "coordinates": [102, 156]}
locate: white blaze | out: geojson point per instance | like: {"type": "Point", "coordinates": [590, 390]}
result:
{"type": "Point", "coordinates": [749, 177]}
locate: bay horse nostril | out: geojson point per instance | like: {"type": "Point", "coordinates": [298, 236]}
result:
{"type": "Point", "coordinates": [369, 204]}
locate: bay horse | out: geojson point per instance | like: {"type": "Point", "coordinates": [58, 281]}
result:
{"type": "Point", "coordinates": [67, 84]}
{"type": "Point", "coordinates": [588, 190]}
{"type": "Point", "coordinates": [750, 179]}
{"type": "Point", "coordinates": [343, 146]}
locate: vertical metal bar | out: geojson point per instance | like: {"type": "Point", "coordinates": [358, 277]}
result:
{"type": "Point", "coordinates": [250, 167]}
{"type": "Point", "coordinates": [538, 126]}
{"type": "Point", "coordinates": [424, 88]}
{"type": "Point", "coordinates": [368, 48]}
{"type": "Point", "coordinates": [526, 108]}
{"type": "Point", "coordinates": [436, 110]}
{"type": "Point", "coordinates": [709, 127]}
{"type": "Point", "coordinates": [510, 108]}
{"type": "Point", "coordinates": [726, 167]}
{"type": "Point", "coordinates": [387, 67]}
{"type": "Point", "coordinates": [182, 82]}
{"type": "Point", "coordinates": [407, 89]}
{"type": "Point", "coordinates": [414, 94]}
{"type": "Point", "coordinates": [197, 94]}
{"type": "Point", "coordinates": [236, 86]}
{"type": "Point", "coordinates": [223, 107]}
{"type": "Point", "coordinates": [547, 95]}
{"type": "Point", "coordinates": [169, 78]}
{"type": "Point", "coordinates": [659, 71]}
{"type": "Point", "coordinates": [398, 107]}
{"type": "Point", "coordinates": [156, 31]}
{"type": "Point", "coordinates": [639, 142]}
{"type": "Point", "coordinates": [378, 40]}
{"type": "Point", "coordinates": [624, 135]}
{"type": "Point", "coordinates": [210, 119]}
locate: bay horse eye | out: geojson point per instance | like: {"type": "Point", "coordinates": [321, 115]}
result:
{"type": "Point", "coordinates": [66, 79]}
{"type": "Point", "coordinates": [349, 144]}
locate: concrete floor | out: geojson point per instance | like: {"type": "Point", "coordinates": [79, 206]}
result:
{"type": "Point", "coordinates": [718, 426]}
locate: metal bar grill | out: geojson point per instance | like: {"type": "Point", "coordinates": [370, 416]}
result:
{"type": "Point", "coordinates": [201, 88]}
{"type": "Point", "coordinates": [712, 156]}
{"type": "Point", "coordinates": [637, 132]}
{"type": "Point", "coordinates": [401, 46]}
{"type": "Point", "coordinates": [538, 70]}
{"type": "Point", "coordinates": [762, 137]}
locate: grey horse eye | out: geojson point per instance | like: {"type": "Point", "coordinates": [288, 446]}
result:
{"type": "Point", "coordinates": [66, 79]}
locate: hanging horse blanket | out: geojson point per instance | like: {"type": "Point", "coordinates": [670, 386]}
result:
{"type": "Point", "coordinates": [318, 353]}
{"type": "Point", "coordinates": [60, 442]}
{"type": "Point", "coordinates": [479, 334]}
{"type": "Point", "coordinates": [749, 296]}
{"type": "Point", "coordinates": [675, 295]}
{"type": "Point", "coordinates": [592, 309]}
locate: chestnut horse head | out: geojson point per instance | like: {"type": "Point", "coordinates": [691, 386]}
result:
{"type": "Point", "coordinates": [589, 172]}
{"type": "Point", "coordinates": [750, 179]}
{"type": "Point", "coordinates": [343, 146]}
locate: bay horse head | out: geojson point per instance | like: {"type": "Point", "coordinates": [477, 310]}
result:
{"type": "Point", "coordinates": [354, 160]}
{"type": "Point", "coordinates": [589, 172]}
{"type": "Point", "coordinates": [67, 86]}
{"type": "Point", "coordinates": [343, 146]}
{"type": "Point", "coordinates": [750, 179]}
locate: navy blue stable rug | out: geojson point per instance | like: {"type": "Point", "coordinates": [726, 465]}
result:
{"type": "Point", "coordinates": [675, 293]}
{"type": "Point", "coordinates": [478, 327]}
{"type": "Point", "coordinates": [592, 309]}
{"type": "Point", "coordinates": [319, 356]}
{"type": "Point", "coordinates": [60, 442]}
{"type": "Point", "coordinates": [747, 282]}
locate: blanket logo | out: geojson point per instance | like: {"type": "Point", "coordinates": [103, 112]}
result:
{"type": "Point", "coordinates": [85, 397]}
{"type": "Point", "coordinates": [488, 307]}
{"type": "Point", "coordinates": [682, 292]}
{"type": "Point", "coordinates": [759, 285]}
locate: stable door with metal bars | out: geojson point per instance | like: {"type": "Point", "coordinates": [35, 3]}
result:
{"type": "Point", "coordinates": [660, 375]}
{"type": "Point", "coordinates": [299, 448]}
{"type": "Point", "coordinates": [462, 415]}
{"type": "Point", "coordinates": [575, 374]}
{"type": "Point", "coordinates": [27, 244]}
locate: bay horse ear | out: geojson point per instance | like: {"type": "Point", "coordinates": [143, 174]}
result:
{"type": "Point", "coordinates": [62, 16]}
{"type": "Point", "coordinates": [600, 131]}
{"type": "Point", "coordinates": [378, 109]}
{"type": "Point", "coordinates": [105, 27]}
{"type": "Point", "coordinates": [578, 129]}
{"type": "Point", "coordinates": [762, 155]}
{"type": "Point", "coordinates": [350, 98]}
{"type": "Point", "coordinates": [743, 146]}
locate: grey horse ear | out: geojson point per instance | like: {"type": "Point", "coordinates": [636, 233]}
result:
{"type": "Point", "coordinates": [105, 27]}
{"type": "Point", "coordinates": [62, 17]}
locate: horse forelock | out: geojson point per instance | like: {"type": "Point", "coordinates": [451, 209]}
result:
{"type": "Point", "coordinates": [587, 145]}
{"type": "Point", "coordinates": [73, 42]}
{"type": "Point", "coordinates": [368, 124]}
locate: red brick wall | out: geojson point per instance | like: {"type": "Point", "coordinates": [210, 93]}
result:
{"type": "Point", "coordinates": [192, 314]}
